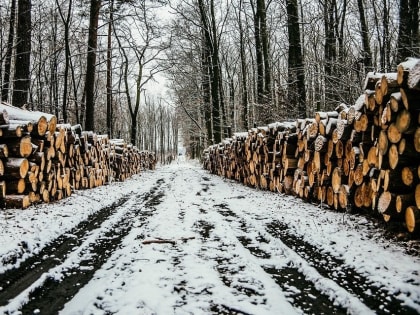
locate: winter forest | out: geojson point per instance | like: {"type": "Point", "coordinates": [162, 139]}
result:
{"type": "Point", "coordinates": [151, 71]}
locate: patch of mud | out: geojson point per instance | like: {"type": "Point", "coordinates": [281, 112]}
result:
{"type": "Point", "coordinates": [301, 293]}
{"type": "Point", "coordinates": [54, 293]}
{"type": "Point", "coordinates": [253, 248]}
{"type": "Point", "coordinates": [204, 228]}
{"type": "Point", "coordinates": [226, 310]}
{"type": "Point", "coordinates": [224, 210]}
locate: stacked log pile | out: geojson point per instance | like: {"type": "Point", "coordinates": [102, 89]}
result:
{"type": "Point", "coordinates": [364, 156]}
{"type": "Point", "coordinates": [41, 160]}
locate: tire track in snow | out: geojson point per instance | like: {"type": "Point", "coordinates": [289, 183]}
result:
{"type": "Point", "coordinates": [333, 268]}
{"type": "Point", "coordinates": [49, 291]}
{"type": "Point", "coordinates": [16, 280]}
{"type": "Point", "coordinates": [378, 298]}
{"type": "Point", "coordinates": [242, 276]}
{"type": "Point", "coordinates": [301, 293]}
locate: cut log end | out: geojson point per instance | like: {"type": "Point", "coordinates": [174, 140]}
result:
{"type": "Point", "coordinates": [412, 219]}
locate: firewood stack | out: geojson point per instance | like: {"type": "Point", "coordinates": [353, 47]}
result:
{"type": "Point", "coordinates": [364, 156]}
{"type": "Point", "coordinates": [41, 160]}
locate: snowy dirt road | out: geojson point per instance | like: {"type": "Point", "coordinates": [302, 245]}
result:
{"type": "Point", "coordinates": [181, 241]}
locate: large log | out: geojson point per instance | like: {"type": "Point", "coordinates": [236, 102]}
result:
{"type": "Point", "coordinates": [41, 120]}
{"type": "Point", "coordinates": [412, 219]}
{"type": "Point", "coordinates": [396, 102]}
{"type": "Point", "coordinates": [371, 79]}
{"type": "Point", "coordinates": [16, 167]}
{"type": "Point", "coordinates": [389, 82]}
{"type": "Point", "coordinates": [17, 201]}
{"type": "Point", "coordinates": [11, 131]}
{"type": "Point", "coordinates": [20, 147]}
{"type": "Point", "coordinates": [383, 142]}
{"type": "Point", "coordinates": [404, 68]}
{"type": "Point", "coordinates": [394, 135]}
{"type": "Point", "coordinates": [359, 196]}
{"type": "Point", "coordinates": [409, 176]}
{"type": "Point", "coordinates": [404, 121]}
{"type": "Point", "coordinates": [413, 81]}
{"type": "Point", "coordinates": [404, 201]}
{"type": "Point", "coordinates": [410, 99]}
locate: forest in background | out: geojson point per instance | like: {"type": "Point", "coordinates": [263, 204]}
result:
{"type": "Point", "coordinates": [229, 64]}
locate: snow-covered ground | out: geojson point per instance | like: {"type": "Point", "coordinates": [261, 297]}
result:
{"type": "Point", "coordinates": [195, 243]}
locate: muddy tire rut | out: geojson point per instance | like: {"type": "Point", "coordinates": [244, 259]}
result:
{"type": "Point", "coordinates": [51, 296]}
{"type": "Point", "coordinates": [301, 292]}
{"type": "Point", "coordinates": [335, 269]}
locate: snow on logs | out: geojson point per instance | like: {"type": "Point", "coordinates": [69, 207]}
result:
{"type": "Point", "coordinates": [42, 161]}
{"type": "Point", "coordinates": [360, 157]}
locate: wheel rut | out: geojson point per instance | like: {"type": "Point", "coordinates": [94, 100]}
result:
{"type": "Point", "coordinates": [18, 279]}
{"type": "Point", "coordinates": [300, 292]}
{"type": "Point", "coordinates": [333, 268]}
{"type": "Point", "coordinates": [59, 288]}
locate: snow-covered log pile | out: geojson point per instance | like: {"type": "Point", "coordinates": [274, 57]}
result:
{"type": "Point", "coordinates": [41, 160]}
{"type": "Point", "coordinates": [364, 156]}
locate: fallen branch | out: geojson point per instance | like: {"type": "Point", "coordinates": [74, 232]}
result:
{"type": "Point", "coordinates": [166, 241]}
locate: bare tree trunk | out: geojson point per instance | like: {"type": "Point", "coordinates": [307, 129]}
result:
{"type": "Point", "coordinates": [403, 50]}
{"type": "Point", "coordinates": [386, 45]}
{"type": "Point", "coordinates": [330, 50]}
{"type": "Point", "coordinates": [205, 87]}
{"type": "Point", "coordinates": [9, 51]}
{"type": "Point", "coordinates": [214, 72]}
{"type": "Point", "coordinates": [66, 22]}
{"type": "Point", "coordinates": [23, 54]}
{"type": "Point", "coordinates": [75, 85]}
{"type": "Point", "coordinates": [218, 104]}
{"type": "Point", "coordinates": [95, 6]}
{"type": "Point", "coordinates": [266, 51]}
{"type": "Point", "coordinates": [339, 28]}
{"type": "Point", "coordinates": [54, 68]}
{"type": "Point", "coordinates": [296, 72]}
{"type": "Point", "coordinates": [245, 109]}
{"type": "Point", "coordinates": [415, 32]}
{"type": "Point", "coordinates": [109, 72]}
{"type": "Point", "coordinates": [258, 55]}
{"type": "Point", "coordinates": [134, 112]}
{"type": "Point", "coordinates": [366, 53]}
{"type": "Point", "coordinates": [232, 103]}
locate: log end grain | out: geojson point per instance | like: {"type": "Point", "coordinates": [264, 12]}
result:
{"type": "Point", "coordinates": [385, 202]}
{"type": "Point", "coordinates": [417, 195]}
{"type": "Point", "coordinates": [393, 156]}
{"type": "Point", "coordinates": [417, 139]}
{"type": "Point", "coordinates": [394, 135]}
{"type": "Point", "coordinates": [336, 179]}
{"type": "Point", "coordinates": [412, 219]}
